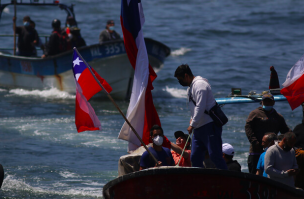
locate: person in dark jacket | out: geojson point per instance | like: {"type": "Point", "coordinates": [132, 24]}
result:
{"type": "Point", "coordinates": [27, 38]}
{"type": "Point", "coordinates": [260, 121]}
{"type": "Point", "coordinates": [57, 42]}
{"type": "Point", "coordinates": [109, 34]}
{"type": "Point", "coordinates": [228, 153]}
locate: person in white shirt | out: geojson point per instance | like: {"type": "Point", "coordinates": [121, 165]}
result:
{"type": "Point", "coordinates": [206, 135]}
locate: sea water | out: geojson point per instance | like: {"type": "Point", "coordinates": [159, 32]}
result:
{"type": "Point", "coordinates": [232, 43]}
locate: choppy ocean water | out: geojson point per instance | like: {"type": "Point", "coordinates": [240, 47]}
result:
{"type": "Point", "coordinates": [231, 43]}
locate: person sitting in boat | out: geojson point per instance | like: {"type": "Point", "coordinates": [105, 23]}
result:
{"type": "Point", "coordinates": [228, 153]}
{"type": "Point", "coordinates": [280, 160]}
{"type": "Point", "coordinates": [70, 23]}
{"type": "Point", "coordinates": [261, 120]}
{"type": "Point", "coordinates": [39, 43]}
{"type": "Point", "coordinates": [27, 38]}
{"type": "Point", "coordinates": [76, 40]}
{"type": "Point", "coordinates": [177, 149]}
{"type": "Point", "coordinates": [58, 42]}
{"type": "Point", "coordinates": [267, 141]}
{"type": "Point", "coordinates": [109, 34]}
{"type": "Point", "coordinates": [162, 154]}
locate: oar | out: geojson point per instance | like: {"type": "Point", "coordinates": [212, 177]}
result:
{"type": "Point", "coordinates": [110, 97]}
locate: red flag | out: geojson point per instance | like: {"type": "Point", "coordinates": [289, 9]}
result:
{"type": "Point", "coordinates": [294, 85]}
{"type": "Point", "coordinates": [86, 87]}
{"type": "Point", "coordinates": [141, 112]}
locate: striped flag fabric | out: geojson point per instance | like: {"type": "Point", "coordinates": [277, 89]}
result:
{"type": "Point", "coordinates": [86, 87]}
{"type": "Point", "coordinates": [141, 111]}
{"type": "Point", "coordinates": [294, 85]}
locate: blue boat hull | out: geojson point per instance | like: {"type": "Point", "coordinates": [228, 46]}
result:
{"type": "Point", "coordinates": [108, 59]}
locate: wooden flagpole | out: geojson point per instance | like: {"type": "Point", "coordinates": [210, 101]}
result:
{"type": "Point", "coordinates": [110, 97]}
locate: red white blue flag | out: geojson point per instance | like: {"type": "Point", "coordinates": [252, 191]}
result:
{"type": "Point", "coordinates": [141, 112]}
{"type": "Point", "coordinates": [86, 87]}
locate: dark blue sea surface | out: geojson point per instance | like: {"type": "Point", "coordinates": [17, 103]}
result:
{"type": "Point", "coordinates": [232, 43]}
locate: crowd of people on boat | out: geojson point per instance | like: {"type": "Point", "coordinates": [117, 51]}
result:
{"type": "Point", "coordinates": [60, 40]}
{"type": "Point", "coordinates": [278, 157]}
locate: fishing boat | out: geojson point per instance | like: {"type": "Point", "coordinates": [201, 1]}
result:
{"type": "Point", "coordinates": [109, 59]}
{"type": "Point", "coordinates": [191, 182]}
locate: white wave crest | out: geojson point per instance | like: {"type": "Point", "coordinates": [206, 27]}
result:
{"type": "Point", "coordinates": [2, 90]}
{"type": "Point", "coordinates": [52, 93]}
{"type": "Point", "coordinates": [180, 51]}
{"type": "Point", "coordinates": [6, 10]}
{"type": "Point", "coordinates": [10, 183]}
{"type": "Point", "coordinates": [175, 92]}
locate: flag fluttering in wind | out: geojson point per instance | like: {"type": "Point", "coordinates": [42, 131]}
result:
{"type": "Point", "coordinates": [294, 85]}
{"type": "Point", "coordinates": [141, 111]}
{"type": "Point", "coordinates": [86, 87]}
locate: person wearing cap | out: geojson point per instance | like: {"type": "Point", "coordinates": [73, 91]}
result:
{"type": "Point", "coordinates": [27, 38]}
{"type": "Point", "coordinates": [261, 120]}
{"type": "Point", "coordinates": [109, 34]}
{"type": "Point", "coordinates": [177, 149]}
{"type": "Point", "coordinates": [267, 141]}
{"type": "Point", "coordinates": [228, 153]}
{"type": "Point", "coordinates": [206, 134]}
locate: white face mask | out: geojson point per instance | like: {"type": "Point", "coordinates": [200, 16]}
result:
{"type": "Point", "coordinates": [158, 140]}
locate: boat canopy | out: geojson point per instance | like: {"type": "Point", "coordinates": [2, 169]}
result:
{"type": "Point", "coordinates": [69, 9]}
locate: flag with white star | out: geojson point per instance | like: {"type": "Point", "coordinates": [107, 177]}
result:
{"type": "Point", "coordinates": [86, 87]}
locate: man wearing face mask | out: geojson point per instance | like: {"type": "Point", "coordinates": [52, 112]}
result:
{"type": "Point", "coordinates": [267, 141]}
{"type": "Point", "coordinates": [206, 135]}
{"type": "Point", "coordinates": [109, 34]}
{"type": "Point", "coordinates": [280, 160]}
{"type": "Point", "coordinates": [260, 121]}
{"type": "Point", "coordinates": [162, 154]}
{"type": "Point", "coordinates": [27, 38]}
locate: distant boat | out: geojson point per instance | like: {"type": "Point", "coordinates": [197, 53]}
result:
{"type": "Point", "coordinates": [108, 59]}
{"type": "Point", "coordinates": [193, 183]}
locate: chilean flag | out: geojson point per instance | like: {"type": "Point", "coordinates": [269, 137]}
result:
{"type": "Point", "coordinates": [141, 112]}
{"type": "Point", "coordinates": [86, 87]}
{"type": "Point", "coordinates": [294, 85]}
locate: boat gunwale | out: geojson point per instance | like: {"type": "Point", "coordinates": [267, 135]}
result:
{"type": "Point", "coordinates": [196, 170]}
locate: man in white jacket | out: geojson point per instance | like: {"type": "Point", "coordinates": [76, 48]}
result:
{"type": "Point", "coordinates": [206, 135]}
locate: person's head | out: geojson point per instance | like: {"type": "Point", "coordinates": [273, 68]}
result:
{"type": "Point", "coordinates": [157, 135]}
{"type": "Point", "coordinates": [32, 24]}
{"type": "Point", "coordinates": [181, 139]}
{"type": "Point", "coordinates": [268, 140]}
{"type": "Point", "coordinates": [267, 101]}
{"type": "Point", "coordinates": [70, 21]}
{"type": "Point", "coordinates": [26, 20]}
{"type": "Point", "coordinates": [56, 24]}
{"type": "Point", "coordinates": [110, 25]}
{"type": "Point", "coordinates": [280, 137]}
{"type": "Point", "coordinates": [288, 141]}
{"type": "Point", "coordinates": [184, 75]}
{"type": "Point", "coordinates": [228, 151]}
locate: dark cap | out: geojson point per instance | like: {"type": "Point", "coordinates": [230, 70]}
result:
{"type": "Point", "coordinates": [26, 18]}
{"type": "Point", "coordinates": [178, 134]}
{"type": "Point", "coordinates": [267, 96]}
{"type": "Point", "coordinates": [110, 22]}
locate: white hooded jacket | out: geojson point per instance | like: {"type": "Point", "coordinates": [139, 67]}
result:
{"type": "Point", "coordinates": [201, 93]}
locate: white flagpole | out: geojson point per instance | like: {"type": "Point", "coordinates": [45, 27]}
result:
{"type": "Point", "coordinates": [110, 97]}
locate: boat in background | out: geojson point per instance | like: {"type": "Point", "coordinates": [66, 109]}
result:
{"type": "Point", "coordinates": [109, 59]}
{"type": "Point", "coordinates": [192, 182]}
